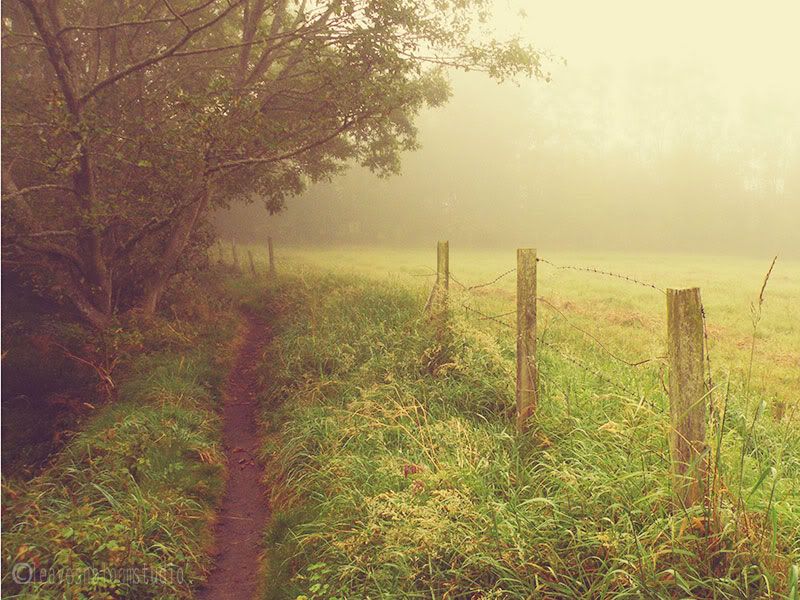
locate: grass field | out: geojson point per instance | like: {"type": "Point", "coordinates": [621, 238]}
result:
{"type": "Point", "coordinates": [394, 466]}
{"type": "Point", "coordinates": [631, 319]}
{"type": "Point", "coordinates": [400, 472]}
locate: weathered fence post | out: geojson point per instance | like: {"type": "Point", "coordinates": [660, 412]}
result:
{"type": "Point", "coordinates": [271, 257]}
{"type": "Point", "coordinates": [527, 375]}
{"type": "Point", "coordinates": [443, 270]}
{"type": "Point", "coordinates": [252, 263]}
{"type": "Point", "coordinates": [437, 300]}
{"type": "Point", "coordinates": [687, 395]}
{"type": "Point", "coordinates": [235, 255]}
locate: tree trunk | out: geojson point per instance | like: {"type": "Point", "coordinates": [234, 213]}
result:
{"type": "Point", "coordinates": [93, 293]}
{"type": "Point", "coordinates": [157, 282]}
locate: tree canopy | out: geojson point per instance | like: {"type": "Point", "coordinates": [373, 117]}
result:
{"type": "Point", "coordinates": [124, 123]}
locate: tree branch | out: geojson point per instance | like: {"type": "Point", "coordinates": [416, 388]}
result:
{"type": "Point", "coordinates": [140, 23]}
{"type": "Point", "coordinates": [157, 57]}
{"type": "Point", "coordinates": [266, 160]}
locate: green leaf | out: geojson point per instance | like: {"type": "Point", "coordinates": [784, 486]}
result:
{"type": "Point", "coordinates": [761, 479]}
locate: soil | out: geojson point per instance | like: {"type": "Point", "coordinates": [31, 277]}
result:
{"type": "Point", "coordinates": [245, 507]}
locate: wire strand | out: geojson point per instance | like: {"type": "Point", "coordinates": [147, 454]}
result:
{"type": "Point", "coordinates": [601, 272]}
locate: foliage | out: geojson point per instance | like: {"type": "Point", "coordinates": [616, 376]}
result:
{"type": "Point", "coordinates": [137, 487]}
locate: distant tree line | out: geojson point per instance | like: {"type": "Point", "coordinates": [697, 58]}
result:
{"type": "Point", "coordinates": [655, 160]}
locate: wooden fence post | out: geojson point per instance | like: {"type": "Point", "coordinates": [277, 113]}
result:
{"type": "Point", "coordinates": [687, 395]}
{"type": "Point", "coordinates": [235, 255]}
{"type": "Point", "coordinates": [443, 270]}
{"type": "Point", "coordinates": [271, 257]}
{"type": "Point", "coordinates": [527, 391]}
{"type": "Point", "coordinates": [252, 263]}
{"type": "Point", "coordinates": [437, 300]}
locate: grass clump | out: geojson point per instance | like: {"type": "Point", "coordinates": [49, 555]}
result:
{"type": "Point", "coordinates": [399, 474]}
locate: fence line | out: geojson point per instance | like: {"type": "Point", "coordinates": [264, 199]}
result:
{"type": "Point", "coordinates": [552, 306]}
{"type": "Point", "coordinates": [236, 264]}
{"type": "Point", "coordinates": [568, 357]}
{"type": "Point", "coordinates": [578, 363]}
{"type": "Point", "coordinates": [688, 361]}
{"type": "Point", "coordinates": [493, 281]}
{"type": "Point", "coordinates": [688, 341]}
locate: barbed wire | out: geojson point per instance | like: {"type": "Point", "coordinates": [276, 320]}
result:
{"type": "Point", "coordinates": [469, 288]}
{"type": "Point", "coordinates": [492, 282]}
{"type": "Point", "coordinates": [456, 281]}
{"type": "Point", "coordinates": [601, 272]}
{"type": "Point", "coordinates": [585, 367]}
{"type": "Point", "coordinates": [496, 318]}
{"type": "Point", "coordinates": [499, 319]}
{"type": "Point", "coordinates": [578, 363]}
{"type": "Point", "coordinates": [564, 355]}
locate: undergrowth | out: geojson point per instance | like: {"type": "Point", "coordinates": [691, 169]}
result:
{"type": "Point", "coordinates": [396, 471]}
{"type": "Point", "coordinates": [125, 508]}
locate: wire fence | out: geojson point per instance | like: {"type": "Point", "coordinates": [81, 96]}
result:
{"type": "Point", "coordinates": [464, 298]}
{"type": "Point", "coordinates": [690, 387]}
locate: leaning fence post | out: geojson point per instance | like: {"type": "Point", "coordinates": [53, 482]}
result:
{"type": "Point", "coordinates": [271, 257]}
{"type": "Point", "coordinates": [252, 263]}
{"type": "Point", "coordinates": [687, 395]}
{"type": "Point", "coordinates": [235, 255]}
{"type": "Point", "coordinates": [527, 376]}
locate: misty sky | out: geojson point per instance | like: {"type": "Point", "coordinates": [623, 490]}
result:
{"type": "Point", "coordinates": [673, 126]}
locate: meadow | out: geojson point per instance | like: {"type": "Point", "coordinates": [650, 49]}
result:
{"type": "Point", "coordinates": [400, 471]}
{"type": "Point", "coordinates": [393, 465]}
{"type": "Point", "coordinates": [631, 319]}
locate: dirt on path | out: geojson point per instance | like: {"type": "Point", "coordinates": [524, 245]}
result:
{"type": "Point", "coordinates": [245, 507]}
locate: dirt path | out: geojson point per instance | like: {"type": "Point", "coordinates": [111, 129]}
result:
{"type": "Point", "coordinates": [245, 507]}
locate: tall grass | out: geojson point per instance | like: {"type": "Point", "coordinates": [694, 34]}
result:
{"type": "Point", "coordinates": [397, 471]}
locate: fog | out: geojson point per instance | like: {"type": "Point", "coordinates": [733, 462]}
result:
{"type": "Point", "coordinates": [665, 128]}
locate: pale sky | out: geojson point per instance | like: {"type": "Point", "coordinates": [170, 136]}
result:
{"type": "Point", "coordinates": [744, 43]}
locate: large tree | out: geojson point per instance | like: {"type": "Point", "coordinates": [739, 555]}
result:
{"type": "Point", "coordinates": [125, 122]}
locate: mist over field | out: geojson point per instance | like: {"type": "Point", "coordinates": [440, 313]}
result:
{"type": "Point", "coordinates": [662, 130]}
{"type": "Point", "coordinates": [400, 299]}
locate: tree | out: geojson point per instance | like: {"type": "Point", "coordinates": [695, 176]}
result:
{"type": "Point", "coordinates": [125, 122]}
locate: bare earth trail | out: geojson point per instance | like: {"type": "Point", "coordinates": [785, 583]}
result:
{"type": "Point", "coordinates": [245, 507]}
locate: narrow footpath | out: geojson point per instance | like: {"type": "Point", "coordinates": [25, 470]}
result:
{"type": "Point", "coordinates": [245, 507]}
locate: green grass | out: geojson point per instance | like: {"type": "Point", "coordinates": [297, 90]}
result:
{"type": "Point", "coordinates": [630, 318]}
{"type": "Point", "coordinates": [399, 473]}
{"type": "Point", "coordinates": [138, 486]}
